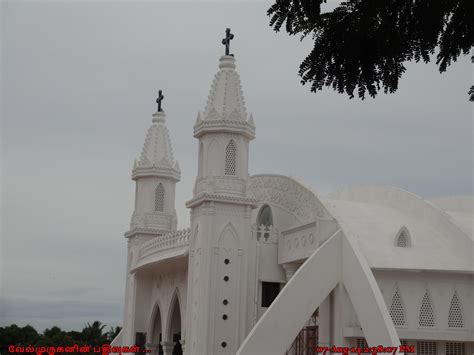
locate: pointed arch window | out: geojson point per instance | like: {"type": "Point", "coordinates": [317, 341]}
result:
{"type": "Point", "coordinates": [455, 315]}
{"type": "Point", "coordinates": [427, 314]}
{"type": "Point", "coordinates": [264, 222]}
{"type": "Point", "coordinates": [265, 217]}
{"type": "Point", "coordinates": [159, 198]}
{"type": "Point", "coordinates": [403, 238]}
{"type": "Point", "coordinates": [397, 311]}
{"type": "Point", "coordinates": [231, 158]}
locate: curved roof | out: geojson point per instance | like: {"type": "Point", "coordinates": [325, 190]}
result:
{"type": "Point", "coordinates": [460, 209]}
{"type": "Point", "coordinates": [373, 216]}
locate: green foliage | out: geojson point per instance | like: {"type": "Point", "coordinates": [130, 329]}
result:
{"type": "Point", "coordinates": [113, 332]}
{"type": "Point", "coordinates": [55, 337]}
{"type": "Point", "coordinates": [91, 335]}
{"type": "Point", "coordinates": [14, 335]}
{"type": "Point", "coordinates": [362, 44]}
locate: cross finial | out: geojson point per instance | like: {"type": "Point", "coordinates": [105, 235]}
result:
{"type": "Point", "coordinates": [159, 99]}
{"type": "Point", "coordinates": [226, 40]}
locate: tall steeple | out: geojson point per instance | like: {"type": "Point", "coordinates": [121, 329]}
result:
{"type": "Point", "coordinates": [218, 277]}
{"type": "Point", "coordinates": [224, 131]}
{"type": "Point", "coordinates": [156, 173]}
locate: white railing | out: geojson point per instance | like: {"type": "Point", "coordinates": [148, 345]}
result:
{"type": "Point", "coordinates": [165, 241]}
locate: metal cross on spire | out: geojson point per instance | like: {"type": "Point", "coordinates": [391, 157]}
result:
{"type": "Point", "coordinates": [159, 99]}
{"type": "Point", "coordinates": [226, 40]}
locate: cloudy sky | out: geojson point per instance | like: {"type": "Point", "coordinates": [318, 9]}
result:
{"type": "Point", "coordinates": [79, 85]}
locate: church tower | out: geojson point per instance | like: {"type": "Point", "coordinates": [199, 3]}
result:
{"type": "Point", "coordinates": [220, 219]}
{"type": "Point", "coordinates": [155, 174]}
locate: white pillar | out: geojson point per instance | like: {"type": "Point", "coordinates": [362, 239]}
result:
{"type": "Point", "coordinates": [324, 322]}
{"type": "Point", "coordinates": [168, 347]}
{"type": "Point", "coordinates": [337, 317]}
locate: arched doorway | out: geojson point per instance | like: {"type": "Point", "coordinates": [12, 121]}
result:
{"type": "Point", "coordinates": [175, 325]}
{"type": "Point", "coordinates": [156, 332]}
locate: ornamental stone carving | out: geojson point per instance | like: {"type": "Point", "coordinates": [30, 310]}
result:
{"type": "Point", "coordinates": [288, 194]}
{"type": "Point", "coordinates": [153, 221]}
{"type": "Point", "coordinates": [221, 185]}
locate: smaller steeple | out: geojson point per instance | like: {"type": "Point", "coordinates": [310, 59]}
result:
{"type": "Point", "coordinates": [157, 157]}
{"type": "Point", "coordinates": [156, 173]}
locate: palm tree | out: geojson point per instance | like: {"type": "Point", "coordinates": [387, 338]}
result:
{"type": "Point", "coordinates": [113, 332]}
{"type": "Point", "coordinates": [93, 334]}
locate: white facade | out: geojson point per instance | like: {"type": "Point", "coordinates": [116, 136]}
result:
{"type": "Point", "coordinates": [369, 263]}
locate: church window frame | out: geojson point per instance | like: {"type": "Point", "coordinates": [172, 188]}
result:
{"type": "Point", "coordinates": [426, 347]}
{"type": "Point", "coordinates": [455, 313]}
{"type": "Point", "coordinates": [403, 238]}
{"type": "Point", "coordinates": [230, 168]}
{"type": "Point", "coordinates": [160, 197]}
{"type": "Point", "coordinates": [397, 309]}
{"type": "Point", "coordinates": [264, 222]}
{"type": "Point", "coordinates": [455, 348]}
{"type": "Point", "coordinates": [427, 315]}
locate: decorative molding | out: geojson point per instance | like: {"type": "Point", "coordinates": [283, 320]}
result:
{"type": "Point", "coordinates": [204, 197]}
{"type": "Point", "coordinates": [288, 194]}
{"type": "Point", "coordinates": [221, 185]}
{"type": "Point", "coordinates": [219, 125]}
{"type": "Point", "coordinates": [155, 222]}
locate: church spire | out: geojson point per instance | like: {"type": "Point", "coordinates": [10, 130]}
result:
{"type": "Point", "coordinates": [156, 158]}
{"type": "Point", "coordinates": [226, 100]}
{"type": "Point", "coordinates": [225, 109]}
{"type": "Point", "coordinates": [224, 131]}
{"type": "Point", "coordinates": [156, 173]}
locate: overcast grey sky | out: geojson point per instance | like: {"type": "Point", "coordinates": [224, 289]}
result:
{"type": "Point", "coordinates": [79, 86]}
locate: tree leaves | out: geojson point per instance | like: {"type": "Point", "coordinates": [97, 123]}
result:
{"type": "Point", "coordinates": [361, 46]}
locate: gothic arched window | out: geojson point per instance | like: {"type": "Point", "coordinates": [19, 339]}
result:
{"type": "Point", "coordinates": [397, 311]}
{"type": "Point", "coordinates": [265, 217]}
{"type": "Point", "coordinates": [160, 198]}
{"type": "Point", "coordinates": [264, 222]}
{"type": "Point", "coordinates": [231, 158]}
{"type": "Point", "coordinates": [427, 317]}
{"type": "Point", "coordinates": [403, 238]}
{"type": "Point", "coordinates": [455, 316]}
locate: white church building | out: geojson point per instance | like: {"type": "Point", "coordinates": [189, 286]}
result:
{"type": "Point", "coordinates": [268, 266]}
